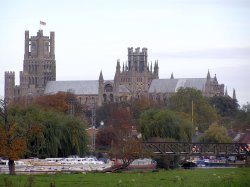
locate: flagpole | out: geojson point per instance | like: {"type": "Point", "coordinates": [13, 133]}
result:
{"type": "Point", "coordinates": [42, 23]}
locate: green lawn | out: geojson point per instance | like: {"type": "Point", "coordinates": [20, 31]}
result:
{"type": "Point", "coordinates": [198, 177]}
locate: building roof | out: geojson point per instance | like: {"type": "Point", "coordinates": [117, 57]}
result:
{"type": "Point", "coordinates": [172, 85]}
{"type": "Point", "coordinates": [89, 87]}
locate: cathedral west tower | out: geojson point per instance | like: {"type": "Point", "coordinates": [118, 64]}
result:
{"type": "Point", "coordinates": [39, 67]}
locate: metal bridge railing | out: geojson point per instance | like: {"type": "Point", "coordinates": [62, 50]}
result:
{"type": "Point", "coordinates": [199, 149]}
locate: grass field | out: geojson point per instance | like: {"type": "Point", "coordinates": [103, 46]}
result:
{"type": "Point", "coordinates": [238, 177]}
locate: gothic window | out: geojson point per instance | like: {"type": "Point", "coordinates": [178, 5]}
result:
{"type": "Point", "coordinates": [111, 98]}
{"type": "Point", "coordinates": [108, 88]}
{"type": "Point", "coordinates": [141, 66]}
{"type": "Point", "coordinates": [104, 98]}
{"type": "Point", "coordinates": [33, 47]}
{"type": "Point", "coordinates": [46, 47]}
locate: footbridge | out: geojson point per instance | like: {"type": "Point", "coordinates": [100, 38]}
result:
{"type": "Point", "coordinates": [198, 149]}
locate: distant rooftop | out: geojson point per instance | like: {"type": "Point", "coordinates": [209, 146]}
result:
{"type": "Point", "coordinates": [172, 85]}
{"type": "Point", "coordinates": [89, 87]}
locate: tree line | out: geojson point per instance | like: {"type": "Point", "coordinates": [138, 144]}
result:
{"type": "Point", "coordinates": [55, 125]}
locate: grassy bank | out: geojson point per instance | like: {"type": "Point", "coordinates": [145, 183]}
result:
{"type": "Point", "coordinates": [199, 177]}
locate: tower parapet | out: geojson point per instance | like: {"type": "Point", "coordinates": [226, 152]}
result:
{"type": "Point", "coordinates": [39, 67]}
{"type": "Point", "coordinates": [9, 84]}
{"type": "Point", "coordinates": [136, 75]}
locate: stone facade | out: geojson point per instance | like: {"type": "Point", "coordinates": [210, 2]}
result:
{"type": "Point", "coordinates": [135, 79]}
{"type": "Point", "coordinates": [39, 67]}
{"type": "Point", "coordinates": [138, 79]}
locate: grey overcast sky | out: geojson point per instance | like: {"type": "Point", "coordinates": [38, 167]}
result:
{"type": "Point", "coordinates": [187, 37]}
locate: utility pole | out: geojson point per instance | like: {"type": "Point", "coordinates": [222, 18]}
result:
{"type": "Point", "coordinates": [192, 114]}
{"type": "Point", "coordinates": [93, 119]}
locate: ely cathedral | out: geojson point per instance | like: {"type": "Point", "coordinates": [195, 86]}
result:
{"type": "Point", "coordinates": [135, 79]}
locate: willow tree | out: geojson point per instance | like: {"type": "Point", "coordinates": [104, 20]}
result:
{"type": "Point", "coordinates": [215, 134]}
{"type": "Point", "coordinates": [165, 124]}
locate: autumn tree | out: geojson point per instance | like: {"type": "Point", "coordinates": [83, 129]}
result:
{"type": "Point", "coordinates": [127, 150]}
{"type": "Point", "coordinates": [12, 138]}
{"type": "Point", "coordinates": [105, 137]}
{"type": "Point", "coordinates": [65, 102]}
{"type": "Point", "coordinates": [140, 105]}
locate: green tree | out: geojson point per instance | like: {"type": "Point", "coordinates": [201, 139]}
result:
{"type": "Point", "coordinates": [53, 134]}
{"type": "Point", "coordinates": [215, 134]}
{"type": "Point", "coordinates": [165, 124]}
{"type": "Point", "coordinates": [193, 103]}
{"type": "Point", "coordinates": [246, 107]}
{"type": "Point", "coordinates": [225, 106]}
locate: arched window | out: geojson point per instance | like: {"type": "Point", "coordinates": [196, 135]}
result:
{"type": "Point", "coordinates": [111, 98]}
{"type": "Point", "coordinates": [104, 98]}
{"type": "Point", "coordinates": [108, 88]}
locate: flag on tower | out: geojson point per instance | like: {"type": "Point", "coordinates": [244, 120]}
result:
{"type": "Point", "coordinates": [42, 23]}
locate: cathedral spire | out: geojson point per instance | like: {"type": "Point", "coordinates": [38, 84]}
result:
{"type": "Point", "coordinates": [118, 67]}
{"type": "Point", "coordinates": [226, 94]}
{"type": "Point", "coordinates": [215, 79]}
{"type": "Point", "coordinates": [101, 77]}
{"type": "Point", "coordinates": [234, 94]}
{"type": "Point", "coordinates": [208, 75]}
{"type": "Point", "coordinates": [172, 76]}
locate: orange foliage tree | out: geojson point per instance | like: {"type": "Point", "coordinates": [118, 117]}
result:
{"type": "Point", "coordinates": [127, 150]}
{"type": "Point", "coordinates": [56, 102]}
{"type": "Point", "coordinates": [12, 139]}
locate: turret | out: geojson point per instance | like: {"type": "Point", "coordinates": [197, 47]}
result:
{"type": "Point", "coordinates": [234, 95]}
{"type": "Point", "coordinates": [26, 45]}
{"type": "Point", "coordinates": [100, 89]}
{"type": "Point", "coordinates": [118, 67]}
{"type": "Point", "coordinates": [208, 75]}
{"type": "Point", "coordinates": [215, 79]}
{"type": "Point", "coordinates": [101, 78]}
{"type": "Point", "coordinates": [172, 76]}
{"type": "Point", "coordinates": [226, 94]}
{"type": "Point", "coordinates": [52, 44]}
{"type": "Point", "coordinates": [156, 70]}
{"type": "Point", "coordinates": [9, 84]}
